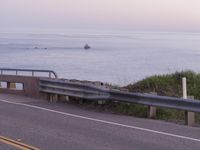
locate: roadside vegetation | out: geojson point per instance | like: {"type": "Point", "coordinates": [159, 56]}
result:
{"type": "Point", "coordinates": [164, 85]}
{"type": "Point", "coordinates": [169, 84]}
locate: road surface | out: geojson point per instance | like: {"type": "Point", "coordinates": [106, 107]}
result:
{"type": "Point", "coordinates": [58, 126]}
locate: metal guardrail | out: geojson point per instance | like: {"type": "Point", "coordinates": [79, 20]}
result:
{"type": "Point", "coordinates": [93, 92]}
{"type": "Point", "coordinates": [32, 71]}
{"type": "Point", "coordinates": [158, 101]}
{"type": "Point", "coordinates": [74, 89]}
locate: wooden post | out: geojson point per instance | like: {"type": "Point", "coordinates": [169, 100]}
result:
{"type": "Point", "coordinates": [152, 109]}
{"type": "Point", "coordinates": [190, 116]}
{"type": "Point", "coordinates": [63, 98]}
{"type": "Point", "coordinates": [53, 98]}
{"type": "Point", "coordinates": [151, 112]}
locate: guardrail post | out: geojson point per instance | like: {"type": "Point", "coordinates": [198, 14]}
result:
{"type": "Point", "coordinates": [190, 116]}
{"type": "Point", "coordinates": [151, 109]}
{"type": "Point", "coordinates": [53, 98]}
{"type": "Point", "coordinates": [63, 98]}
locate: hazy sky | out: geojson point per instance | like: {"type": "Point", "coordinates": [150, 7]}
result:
{"type": "Point", "coordinates": [161, 15]}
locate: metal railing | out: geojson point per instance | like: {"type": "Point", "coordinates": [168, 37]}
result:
{"type": "Point", "coordinates": [51, 74]}
{"type": "Point", "coordinates": [75, 89]}
{"type": "Point", "coordinates": [93, 92]}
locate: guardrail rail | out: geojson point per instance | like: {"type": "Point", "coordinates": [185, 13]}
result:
{"type": "Point", "coordinates": [93, 92]}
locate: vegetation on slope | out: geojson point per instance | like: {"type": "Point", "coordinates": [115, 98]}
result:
{"type": "Point", "coordinates": [167, 85]}
{"type": "Point", "coordinates": [164, 85]}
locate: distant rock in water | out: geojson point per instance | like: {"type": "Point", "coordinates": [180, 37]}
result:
{"type": "Point", "coordinates": [87, 46]}
{"type": "Point", "coordinates": [40, 48]}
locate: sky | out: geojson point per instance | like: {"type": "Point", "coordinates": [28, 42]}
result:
{"type": "Point", "coordinates": [151, 15]}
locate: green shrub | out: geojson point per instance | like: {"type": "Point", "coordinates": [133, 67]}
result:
{"type": "Point", "coordinates": [169, 85]}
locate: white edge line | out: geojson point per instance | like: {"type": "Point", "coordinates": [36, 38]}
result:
{"type": "Point", "coordinates": [103, 121]}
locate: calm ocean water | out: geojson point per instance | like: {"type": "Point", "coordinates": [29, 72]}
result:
{"type": "Point", "coordinates": [118, 58]}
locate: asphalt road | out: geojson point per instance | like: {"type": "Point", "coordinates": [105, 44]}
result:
{"type": "Point", "coordinates": [58, 126]}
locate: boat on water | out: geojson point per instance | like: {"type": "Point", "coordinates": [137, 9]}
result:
{"type": "Point", "coordinates": [87, 46]}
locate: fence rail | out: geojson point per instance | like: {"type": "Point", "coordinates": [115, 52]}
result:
{"type": "Point", "coordinates": [4, 71]}
{"type": "Point", "coordinates": [93, 92]}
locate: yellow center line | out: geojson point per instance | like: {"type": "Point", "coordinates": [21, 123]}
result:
{"type": "Point", "coordinates": [16, 144]}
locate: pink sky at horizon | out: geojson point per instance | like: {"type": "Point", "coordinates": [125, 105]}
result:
{"type": "Point", "coordinates": [161, 15]}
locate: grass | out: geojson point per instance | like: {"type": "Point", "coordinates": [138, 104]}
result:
{"type": "Point", "coordinates": [169, 85]}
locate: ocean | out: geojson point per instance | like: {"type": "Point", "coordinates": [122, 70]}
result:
{"type": "Point", "coordinates": [115, 57]}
